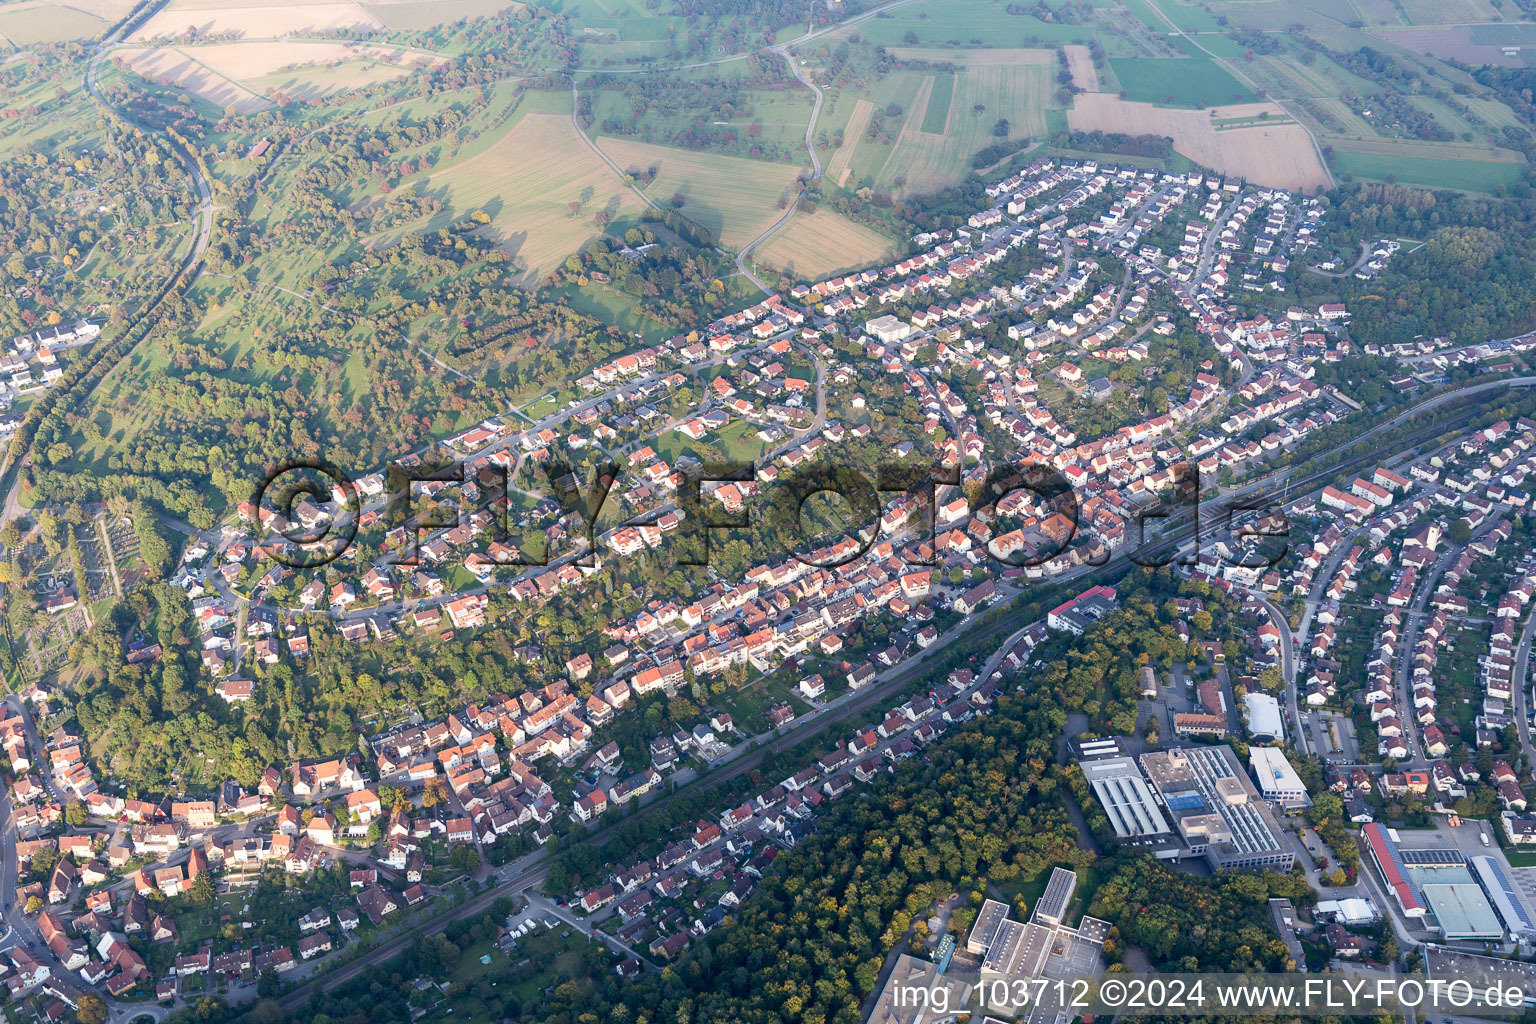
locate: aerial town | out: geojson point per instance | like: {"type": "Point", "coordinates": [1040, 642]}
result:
{"type": "Point", "coordinates": [1054, 508]}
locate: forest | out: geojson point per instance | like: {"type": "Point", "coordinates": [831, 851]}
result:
{"type": "Point", "coordinates": [1474, 279]}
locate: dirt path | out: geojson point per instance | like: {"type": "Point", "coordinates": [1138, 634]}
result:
{"type": "Point", "coordinates": [106, 545]}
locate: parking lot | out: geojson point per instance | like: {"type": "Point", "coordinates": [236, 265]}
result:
{"type": "Point", "coordinates": [1332, 736]}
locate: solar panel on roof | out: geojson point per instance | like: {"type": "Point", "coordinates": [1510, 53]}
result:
{"type": "Point", "coordinates": [1431, 857]}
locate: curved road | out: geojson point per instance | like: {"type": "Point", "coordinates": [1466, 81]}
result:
{"type": "Point", "coordinates": [783, 50]}
{"type": "Point", "coordinates": [11, 510]}
{"type": "Point", "coordinates": [508, 882]}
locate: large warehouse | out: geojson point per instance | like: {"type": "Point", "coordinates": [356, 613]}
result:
{"type": "Point", "coordinates": [1128, 802]}
{"type": "Point", "coordinates": [1438, 883]}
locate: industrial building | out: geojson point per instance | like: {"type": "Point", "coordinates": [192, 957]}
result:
{"type": "Point", "coordinates": [1044, 946]}
{"type": "Point", "coordinates": [1461, 901]}
{"type": "Point", "coordinates": [1278, 782]}
{"type": "Point", "coordinates": [1353, 911]}
{"type": "Point", "coordinates": [1381, 844]}
{"type": "Point", "coordinates": [1265, 725]}
{"type": "Point", "coordinates": [1216, 810]}
{"type": "Point", "coordinates": [1132, 809]}
{"type": "Point", "coordinates": [1504, 897]}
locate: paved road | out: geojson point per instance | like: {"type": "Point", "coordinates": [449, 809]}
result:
{"type": "Point", "coordinates": [1257, 90]}
{"type": "Point", "coordinates": [1521, 684]}
{"type": "Point", "coordinates": [623, 176]}
{"type": "Point", "coordinates": [810, 147]}
{"type": "Point", "coordinates": [1288, 669]}
{"type": "Point", "coordinates": [1417, 612]}
{"type": "Point", "coordinates": [530, 871]}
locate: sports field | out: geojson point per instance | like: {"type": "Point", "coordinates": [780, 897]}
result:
{"type": "Point", "coordinates": [526, 183]}
{"type": "Point", "coordinates": [1196, 82]}
{"type": "Point", "coordinates": [735, 198]}
{"type": "Point", "coordinates": [812, 246]}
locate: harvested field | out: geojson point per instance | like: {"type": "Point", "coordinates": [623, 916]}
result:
{"type": "Point", "coordinates": [1448, 12]}
{"type": "Point", "coordinates": [172, 66]}
{"type": "Point", "coordinates": [1458, 43]}
{"type": "Point", "coordinates": [257, 21]}
{"type": "Point", "coordinates": [419, 14]}
{"type": "Point", "coordinates": [840, 166]}
{"type": "Point", "coordinates": [814, 245]}
{"type": "Point", "coordinates": [526, 183]}
{"type": "Point", "coordinates": [1080, 62]}
{"type": "Point", "coordinates": [981, 96]}
{"type": "Point", "coordinates": [1279, 155]}
{"type": "Point", "coordinates": [974, 57]}
{"type": "Point", "coordinates": [31, 23]}
{"type": "Point", "coordinates": [242, 61]}
{"type": "Point", "coordinates": [735, 198]}
{"type": "Point", "coordinates": [310, 83]}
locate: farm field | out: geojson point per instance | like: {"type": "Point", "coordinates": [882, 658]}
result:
{"type": "Point", "coordinates": [242, 74]}
{"type": "Point", "coordinates": [1467, 175]}
{"type": "Point", "coordinates": [170, 65]}
{"type": "Point", "coordinates": [1463, 43]}
{"type": "Point", "coordinates": [840, 166]}
{"type": "Point", "coordinates": [815, 245]}
{"type": "Point", "coordinates": [1449, 12]}
{"type": "Point", "coordinates": [1080, 62]}
{"type": "Point", "coordinates": [255, 20]}
{"type": "Point", "coordinates": [969, 23]}
{"type": "Point", "coordinates": [526, 182]}
{"type": "Point", "coordinates": [407, 15]}
{"type": "Point", "coordinates": [29, 23]}
{"type": "Point", "coordinates": [1279, 154]}
{"type": "Point", "coordinates": [240, 61]}
{"type": "Point", "coordinates": [981, 96]}
{"type": "Point", "coordinates": [1431, 164]}
{"type": "Point", "coordinates": [1196, 82]}
{"type": "Point", "coordinates": [314, 82]}
{"type": "Point", "coordinates": [975, 57]}
{"type": "Point", "coordinates": [735, 198]}
{"type": "Point", "coordinates": [941, 96]}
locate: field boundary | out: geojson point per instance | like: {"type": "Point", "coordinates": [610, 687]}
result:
{"type": "Point", "coordinates": [941, 90]}
{"type": "Point", "coordinates": [841, 164]}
